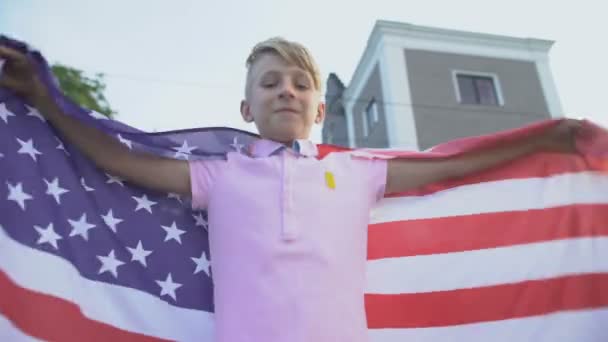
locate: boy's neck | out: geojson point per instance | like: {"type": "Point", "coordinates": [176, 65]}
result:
{"type": "Point", "coordinates": [287, 143]}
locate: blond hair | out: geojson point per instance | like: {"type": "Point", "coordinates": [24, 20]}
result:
{"type": "Point", "coordinates": [292, 52]}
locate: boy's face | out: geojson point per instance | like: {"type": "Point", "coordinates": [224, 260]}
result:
{"type": "Point", "coordinates": [282, 100]}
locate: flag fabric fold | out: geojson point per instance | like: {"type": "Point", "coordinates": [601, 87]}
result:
{"type": "Point", "coordinates": [518, 252]}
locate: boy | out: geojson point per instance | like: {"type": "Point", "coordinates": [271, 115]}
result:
{"type": "Point", "coordinates": [290, 264]}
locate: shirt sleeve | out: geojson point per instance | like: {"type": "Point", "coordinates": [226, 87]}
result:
{"type": "Point", "coordinates": [203, 175]}
{"type": "Point", "coordinates": [374, 173]}
{"type": "Point", "coordinates": [377, 178]}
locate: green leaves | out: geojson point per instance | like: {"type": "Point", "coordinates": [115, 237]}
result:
{"type": "Point", "coordinates": [84, 90]}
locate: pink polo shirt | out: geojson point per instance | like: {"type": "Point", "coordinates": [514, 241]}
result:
{"type": "Point", "coordinates": [288, 245]}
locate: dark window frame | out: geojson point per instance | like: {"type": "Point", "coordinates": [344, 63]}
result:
{"type": "Point", "coordinates": [370, 123]}
{"type": "Point", "coordinates": [471, 86]}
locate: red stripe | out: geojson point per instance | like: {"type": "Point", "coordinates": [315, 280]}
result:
{"type": "Point", "coordinates": [473, 232]}
{"type": "Point", "coordinates": [325, 149]}
{"type": "Point", "coordinates": [492, 303]}
{"type": "Point", "coordinates": [54, 319]}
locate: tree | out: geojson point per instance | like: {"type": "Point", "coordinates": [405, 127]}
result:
{"type": "Point", "coordinates": [85, 91]}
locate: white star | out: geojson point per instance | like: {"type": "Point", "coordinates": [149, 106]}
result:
{"type": "Point", "coordinates": [47, 235]}
{"type": "Point", "coordinates": [173, 233]}
{"type": "Point", "coordinates": [53, 189]}
{"type": "Point", "coordinates": [168, 287]}
{"type": "Point", "coordinates": [176, 196]}
{"type": "Point", "coordinates": [35, 113]}
{"type": "Point", "coordinates": [15, 193]}
{"type": "Point", "coordinates": [109, 264]}
{"type": "Point", "coordinates": [27, 147]}
{"type": "Point", "coordinates": [125, 141]}
{"type": "Point", "coordinates": [114, 179]}
{"type": "Point", "coordinates": [5, 113]}
{"type": "Point", "coordinates": [200, 221]}
{"type": "Point", "coordinates": [143, 203]}
{"type": "Point", "coordinates": [139, 253]}
{"type": "Point", "coordinates": [235, 144]}
{"type": "Point", "coordinates": [110, 220]}
{"type": "Point", "coordinates": [184, 151]}
{"type": "Point", "coordinates": [98, 115]}
{"type": "Point", "coordinates": [202, 264]}
{"type": "Point", "coordinates": [81, 227]}
{"type": "Point", "coordinates": [61, 147]}
{"type": "Point", "coordinates": [84, 185]}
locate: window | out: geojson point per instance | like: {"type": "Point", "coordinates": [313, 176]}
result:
{"type": "Point", "coordinates": [477, 89]}
{"type": "Point", "coordinates": [371, 117]}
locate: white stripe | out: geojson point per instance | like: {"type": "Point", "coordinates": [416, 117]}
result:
{"type": "Point", "coordinates": [122, 307]}
{"type": "Point", "coordinates": [470, 269]}
{"type": "Point", "coordinates": [572, 326]}
{"type": "Point", "coordinates": [9, 332]}
{"type": "Point", "coordinates": [497, 196]}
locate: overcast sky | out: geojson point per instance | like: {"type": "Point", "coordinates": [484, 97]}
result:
{"type": "Point", "coordinates": [180, 64]}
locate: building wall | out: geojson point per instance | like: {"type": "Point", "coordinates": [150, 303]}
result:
{"type": "Point", "coordinates": [378, 136]}
{"type": "Point", "coordinates": [439, 116]}
{"type": "Point", "coordinates": [335, 129]}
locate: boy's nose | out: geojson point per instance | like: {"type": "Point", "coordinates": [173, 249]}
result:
{"type": "Point", "coordinates": [286, 91]}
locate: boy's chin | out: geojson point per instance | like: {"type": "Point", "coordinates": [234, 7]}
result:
{"type": "Point", "coordinates": [285, 134]}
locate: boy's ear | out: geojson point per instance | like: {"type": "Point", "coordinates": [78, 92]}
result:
{"type": "Point", "coordinates": [246, 111]}
{"type": "Point", "coordinates": [320, 113]}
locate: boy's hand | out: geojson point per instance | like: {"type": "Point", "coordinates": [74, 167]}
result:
{"type": "Point", "coordinates": [562, 138]}
{"type": "Point", "coordinates": [147, 170]}
{"type": "Point", "coordinates": [19, 75]}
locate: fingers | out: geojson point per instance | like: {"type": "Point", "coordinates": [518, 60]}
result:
{"type": "Point", "coordinates": [16, 71]}
{"type": "Point", "coordinates": [10, 54]}
{"type": "Point", "coordinates": [7, 82]}
{"type": "Point", "coordinates": [584, 131]}
{"type": "Point", "coordinates": [571, 127]}
{"type": "Point", "coordinates": [573, 122]}
{"type": "Point", "coordinates": [2, 78]}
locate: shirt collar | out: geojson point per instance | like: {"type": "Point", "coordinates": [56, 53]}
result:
{"type": "Point", "coordinates": [265, 148]}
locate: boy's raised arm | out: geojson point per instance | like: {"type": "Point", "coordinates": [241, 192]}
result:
{"type": "Point", "coordinates": [404, 174]}
{"type": "Point", "coordinates": [149, 171]}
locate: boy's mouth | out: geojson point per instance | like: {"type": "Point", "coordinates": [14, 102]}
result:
{"type": "Point", "coordinates": [286, 109]}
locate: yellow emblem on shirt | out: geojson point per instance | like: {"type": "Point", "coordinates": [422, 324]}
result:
{"type": "Point", "coordinates": [329, 180]}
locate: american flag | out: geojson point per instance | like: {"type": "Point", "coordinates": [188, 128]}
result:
{"type": "Point", "coordinates": [516, 253]}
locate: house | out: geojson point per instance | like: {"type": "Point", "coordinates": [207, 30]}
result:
{"type": "Point", "coordinates": [416, 87]}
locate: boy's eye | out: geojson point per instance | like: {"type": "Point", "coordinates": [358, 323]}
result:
{"type": "Point", "coordinates": [302, 83]}
{"type": "Point", "coordinates": [302, 86]}
{"type": "Point", "coordinates": [268, 82]}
